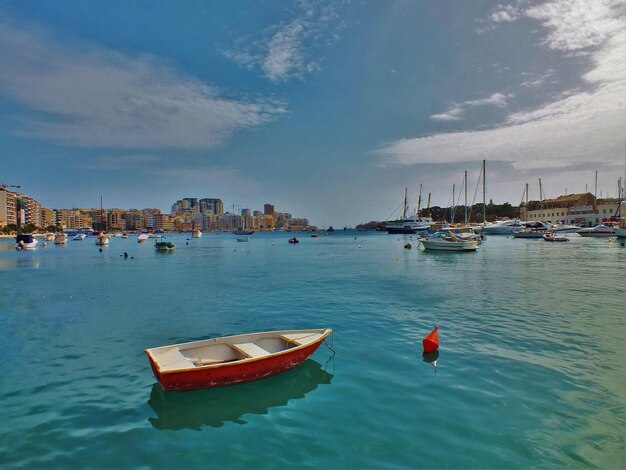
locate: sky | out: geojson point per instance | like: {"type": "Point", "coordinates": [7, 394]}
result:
{"type": "Point", "coordinates": [326, 109]}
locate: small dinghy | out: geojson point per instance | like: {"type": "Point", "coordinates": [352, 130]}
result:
{"type": "Point", "coordinates": [232, 359]}
{"type": "Point", "coordinates": [554, 237]}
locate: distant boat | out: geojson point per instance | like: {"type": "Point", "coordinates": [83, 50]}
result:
{"type": "Point", "coordinates": [164, 246]}
{"type": "Point", "coordinates": [196, 233]}
{"type": "Point", "coordinates": [48, 236]}
{"type": "Point", "coordinates": [409, 225]}
{"type": "Point", "coordinates": [102, 240]}
{"type": "Point", "coordinates": [79, 237]}
{"type": "Point", "coordinates": [554, 237]}
{"type": "Point", "coordinates": [232, 359]}
{"type": "Point", "coordinates": [142, 237]}
{"type": "Point", "coordinates": [503, 227]}
{"type": "Point", "coordinates": [564, 228]}
{"type": "Point", "coordinates": [529, 233]}
{"type": "Point", "coordinates": [60, 238]}
{"type": "Point", "coordinates": [25, 241]}
{"type": "Point", "coordinates": [293, 240]}
{"type": "Point", "coordinates": [446, 241]}
{"type": "Point", "coordinates": [243, 232]}
{"type": "Point", "coordinates": [598, 231]}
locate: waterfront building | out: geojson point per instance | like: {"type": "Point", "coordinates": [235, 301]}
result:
{"type": "Point", "coordinates": [211, 206]}
{"type": "Point", "coordinates": [246, 212]}
{"type": "Point", "coordinates": [581, 209]}
{"type": "Point", "coordinates": [115, 219]}
{"type": "Point", "coordinates": [47, 217]}
{"type": "Point", "coordinates": [7, 208]}
{"type": "Point", "coordinates": [268, 209]}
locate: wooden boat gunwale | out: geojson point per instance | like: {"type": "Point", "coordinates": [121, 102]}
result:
{"type": "Point", "coordinates": [224, 340]}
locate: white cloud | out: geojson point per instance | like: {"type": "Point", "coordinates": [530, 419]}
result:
{"type": "Point", "coordinates": [504, 13]}
{"type": "Point", "coordinates": [287, 50]}
{"type": "Point", "coordinates": [90, 96]}
{"type": "Point", "coordinates": [284, 55]}
{"type": "Point", "coordinates": [455, 112]}
{"type": "Point", "coordinates": [585, 125]}
{"type": "Point", "coordinates": [115, 162]}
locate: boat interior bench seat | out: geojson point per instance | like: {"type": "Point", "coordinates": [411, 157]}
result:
{"type": "Point", "coordinates": [300, 338]}
{"type": "Point", "coordinates": [250, 349]}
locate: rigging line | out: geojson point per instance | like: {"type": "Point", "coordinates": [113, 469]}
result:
{"type": "Point", "coordinates": [395, 210]}
{"type": "Point", "coordinates": [475, 192]}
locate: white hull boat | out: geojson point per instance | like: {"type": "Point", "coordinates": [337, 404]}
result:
{"type": "Point", "coordinates": [60, 239]}
{"type": "Point", "coordinates": [503, 227]}
{"type": "Point", "coordinates": [449, 242]}
{"type": "Point", "coordinates": [599, 231]}
{"type": "Point", "coordinates": [25, 242]}
{"type": "Point", "coordinates": [102, 240]}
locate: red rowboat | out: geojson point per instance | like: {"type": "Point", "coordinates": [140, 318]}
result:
{"type": "Point", "coordinates": [431, 341]}
{"type": "Point", "coordinates": [232, 359]}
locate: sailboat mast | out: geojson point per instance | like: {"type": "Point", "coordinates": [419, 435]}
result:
{"type": "Point", "coordinates": [452, 211]}
{"type": "Point", "coordinates": [404, 211]}
{"type": "Point", "coordinates": [541, 199]}
{"type": "Point", "coordinates": [419, 203]}
{"type": "Point", "coordinates": [465, 203]}
{"type": "Point", "coordinates": [526, 202]}
{"type": "Point", "coordinates": [484, 192]}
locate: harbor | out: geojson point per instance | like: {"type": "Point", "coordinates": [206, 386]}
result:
{"type": "Point", "coordinates": [527, 330]}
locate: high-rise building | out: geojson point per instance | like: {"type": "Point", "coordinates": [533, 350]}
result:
{"type": "Point", "coordinates": [268, 209]}
{"type": "Point", "coordinates": [246, 212]}
{"type": "Point", "coordinates": [211, 206]}
{"type": "Point", "coordinates": [7, 207]}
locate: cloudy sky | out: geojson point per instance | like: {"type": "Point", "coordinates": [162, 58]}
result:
{"type": "Point", "coordinates": [326, 109]}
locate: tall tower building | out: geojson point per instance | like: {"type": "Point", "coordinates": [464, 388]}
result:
{"type": "Point", "coordinates": [268, 209]}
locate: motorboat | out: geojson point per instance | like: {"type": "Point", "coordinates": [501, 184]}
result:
{"type": "Point", "coordinates": [529, 233]}
{"type": "Point", "coordinates": [26, 241]}
{"type": "Point", "coordinates": [164, 246]}
{"type": "Point", "coordinates": [564, 228]}
{"type": "Point", "coordinates": [79, 237]}
{"type": "Point", "coordinates": [410, 226]}
{"type": "Point", "coordinates": [243, 232]}
{"type": "Point", "coordinates": [293, 240]}
{"type": "Point", "coordinates": [231, 360]}
{"type": "Point", "coordinates": [448, 241]}
{"type": "Point", "coordinates": [555, 237]}
{"type": "Point", "coordinates": [196, 233]}
{"type": "Point", "coordinates": [142, 237]}
{"type": "Point", "coordinates": [241, 240]}
{"type": "Point", "coordinates": [503, 227]}
{"type": "Point", "coordinates": [102, 240]}
{"type": "Point", "coordinates": [48, 236]}
{"type": "Point", "coordinates": [60, 238]}
{"type": "Point", "coordinates": [597, 231]}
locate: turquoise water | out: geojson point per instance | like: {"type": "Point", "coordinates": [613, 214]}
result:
{"type": "Point", "coordinates": [530, 371]}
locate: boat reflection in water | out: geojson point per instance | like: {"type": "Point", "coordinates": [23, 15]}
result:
{"type": "Point", "coordinates": [216, 406]}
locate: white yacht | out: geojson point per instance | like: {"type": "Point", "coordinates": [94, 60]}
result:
{"type": "Point", "coordinates": [25, 242]}
{"type": "Point", "coordinates": [196, 233]}
{"type": "Point", "coordinates": [503, 227]}
{"type": "Point", "coordinates": [448, 241]}
{"type": "Point", "coordinates": [598, 231]}
{"type": "Point", "coordinates": [60, 238]}
{"type": "Point", "coordinates": [564, 228]}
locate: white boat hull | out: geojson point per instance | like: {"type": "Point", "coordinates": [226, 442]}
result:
{"type": "Point", "coordinates": [444, 245]}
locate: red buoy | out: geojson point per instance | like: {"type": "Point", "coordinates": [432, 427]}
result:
{"type": "Point", "coordinates": [431, 341]}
